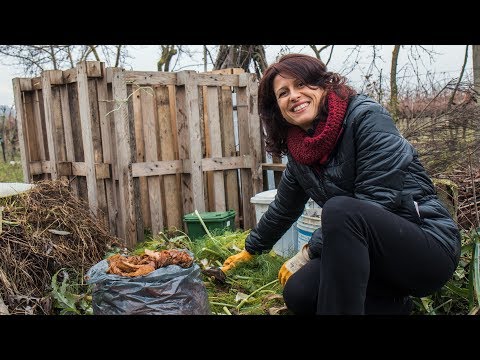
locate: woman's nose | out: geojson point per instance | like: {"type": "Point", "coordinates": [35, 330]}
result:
{"type": "Point", "coordinates": [294, 95]}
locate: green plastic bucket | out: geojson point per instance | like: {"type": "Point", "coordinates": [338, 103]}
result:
{"type": "Point", "coordinates": [214, 221]}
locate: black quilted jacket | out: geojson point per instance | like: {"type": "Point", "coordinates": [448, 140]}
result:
{"type": "Point", "coordinates": [371, 161]}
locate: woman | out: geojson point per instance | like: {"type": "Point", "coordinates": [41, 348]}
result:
{"type": "Point", "coordinates": [385, 235]}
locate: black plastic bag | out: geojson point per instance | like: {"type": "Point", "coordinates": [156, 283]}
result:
{"type": "Point", "coordinates": [169, 290]}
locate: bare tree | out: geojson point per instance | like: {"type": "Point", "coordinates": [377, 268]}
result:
{"type": "Point", "coordinates": [318, 51]}
{"type": "Point", "coordinates": [168, 52]}
{"type": "Point", "coordinates": [393, 83]}
{"type": "Point", "coordinates": [33, 59]}
{"type": "Point", "coordinates": [242, 56]}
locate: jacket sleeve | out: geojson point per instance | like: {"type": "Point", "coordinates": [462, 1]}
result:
{"type": "Point", "coordinates": [382, 159]}
{"type": "Point", "coordinates": [282, 212]}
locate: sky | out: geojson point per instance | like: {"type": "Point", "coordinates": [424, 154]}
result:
{"type": "Point", "coordinates": [144, 58]}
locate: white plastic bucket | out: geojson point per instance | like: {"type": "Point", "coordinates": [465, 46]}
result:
{"type": "Point", "coordinates": [306, 224]}
{"type": "Point", "coordinates": [286, 246]}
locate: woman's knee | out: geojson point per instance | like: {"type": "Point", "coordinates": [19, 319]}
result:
{"type": "Point", "coordinates": [336, 209]}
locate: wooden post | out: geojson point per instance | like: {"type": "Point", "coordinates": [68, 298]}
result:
{"type": "Point", "coordinates": [194, 182]}
{"type": "Point", "coordinates": [127, 226]}
{"type": "Point", "coordinates": [87, 135]}
{"type": "Point", "coordinates": [49, 119]}
{"type": "Point", "coordinates": [215, 146]}
{"type": "Point", "coordinates": [21, 126]}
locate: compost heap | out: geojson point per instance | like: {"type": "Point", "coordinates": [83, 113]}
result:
{"type": "Point", "coordinates": [137, 265]}
{"type": "Point", "coordinates": [44, 230]}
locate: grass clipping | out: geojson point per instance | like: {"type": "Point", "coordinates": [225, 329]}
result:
{"type": "Point", "coordinates": [44, 230]}
{"type": "Point", "coordinates": [251, 288]}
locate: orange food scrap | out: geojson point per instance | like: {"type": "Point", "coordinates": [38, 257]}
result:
{"type": "Point", "coordinates": [137, 265]}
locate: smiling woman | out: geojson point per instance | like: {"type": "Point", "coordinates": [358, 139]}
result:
{"type": "Point", "coordinates": [384, 235]}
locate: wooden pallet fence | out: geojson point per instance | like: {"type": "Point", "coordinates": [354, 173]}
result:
{"type": "Point", "coordinates": [144, 148]}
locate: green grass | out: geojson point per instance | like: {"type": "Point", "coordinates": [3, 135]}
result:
{"type": "Point", "coordinates": [11, 173]}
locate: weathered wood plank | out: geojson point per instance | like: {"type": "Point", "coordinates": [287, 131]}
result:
{"type": "Point", "coordinates": [21, 126]}
{"type": "Point", "coordinates": [248, 210]}
{"type": "Point", "coordinates": [277, 167]}
{"type": "Point", "coordinates": [77, 136]}
{"type": "Point", "coordinates": [67, 129]}
{"type": "Point", "coordinates": [228, 145]}
{"type": "Point", "coordinates": [215, 146]}
{"type": "Point", "coordinates": [70, 168]}
{"type": "Point", "coordinates": [25, 84]}
{"type": "Point", "coordinates": [171, 192]}
{"type": "Point", "coordinates": [125, 156]}
{"type": "Point", "coordinates": [210, 79]}
{"type": "Point", "coordinates": [97, 148]}
{"type": "Point", "coordinates": [151, 147]}
{"type": "Point", "coordinates": [94, 69]}
{"type": "Point", "coordinates": [192, 112]}
{"type": "Point", "coordinates": [170, 167]}
{"type": "Point", "coordinates": [87, 135]}
{"type": "Point", "coordinates": [106, 136]}
{"type": "Point", "coordinates": [254, 129]}
{"type": "Point", "coordinates": [57, 118]}
{"type": "Point", "coordinates": [49, 122]}
{"type": "Point", "coordinates": [143, 78]}
{"type": "Point", "coordinates": [184, 145]}
{"type": "Point", "coordinates": [140, 157]}
{"type": "Point", "coordinates": [157, 168]}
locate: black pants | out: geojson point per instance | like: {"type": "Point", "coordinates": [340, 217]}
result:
{"type": "Point", "coordinates": [371, 261]}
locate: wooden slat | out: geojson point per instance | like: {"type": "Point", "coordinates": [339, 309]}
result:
{"type": "Point", "coordinates": [81, 182]}
{"type": "Point", "coordinates": [25, 84]}
{"type": "Point", "coordinates": [173, 213]}
{"type": "Point", "coordinates": [184, 145]}
{"type": "Point", "coordinates": [125, 156]}
{"type": "Point", "coordinates": [193, 116]}
{"type": "Point", "coordinates": [39, 167]}
{"type": "Point", "coordinates": [49, 122]}
{"type": "Point", "coordinates": [254, 129]}
{"type": "Point", "coordinates": [70, 76]}
{"type": "Point", "coordinates": [37, 83]}
{"type": "Point", "coordinates": [87, 135]}
{"type": "Point", "coordinates": [94, 69]}
{"type": "Point", "coordinates": [209, 79]}
{"type": "Point", "coordinates": [39, 126]}
{"type": "Point", "coordinates": [165, 167]}
{"type": "Point", "coordinates": [106, 133]}
{"type": "Point", "coordinates": [21, 127]}
{"type": "Point", "coordinates": [97, 148]}
{"type": "Point", "coordinates": [216, 146]}
{"type": "Point", "coordinates": [57, 118]}
{"type": "Point", "coordinates": [136, 183]}
{"type": "Point", "coordinates": [151, 146]}
{"type": "Point", "coordinates": [140, 157]}
{"type": "Point", "coordinates": [157, 168]}
{"type": "Point", "coordinates": [143, 78]}
{"type": "Point", "coordinates": [227, 163]}
{"type": "Point", "coordinates": [274, 166]}
{"type": "Point", "coordinates": [228, 145]}
{"type": "Point", "coordinates": [67, 129]}
{"type": "Point", "coordinates": [207, 150]}
{"type": "Point", "coordinates": [70, 168]}
{"type": "Point", "coordinates": [248, 211]}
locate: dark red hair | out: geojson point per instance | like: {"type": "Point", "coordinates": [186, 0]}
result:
{"type": "Point", "coordinates": [312, 72]}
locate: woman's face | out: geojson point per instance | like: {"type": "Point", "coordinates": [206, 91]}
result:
{"type": "Point", "coordinates": [298, 103]}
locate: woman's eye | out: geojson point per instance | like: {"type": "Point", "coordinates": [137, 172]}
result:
{"type": "Point", "coordinates": [301, 84]}
{"type": "Point", "coordinates": [281, 94]}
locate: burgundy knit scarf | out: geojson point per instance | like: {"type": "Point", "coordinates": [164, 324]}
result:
{"type": "Point", "coordinates": [314, 150]}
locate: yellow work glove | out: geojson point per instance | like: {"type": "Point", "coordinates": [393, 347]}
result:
{"type": "Point", "coordinates": [292, 265]}
{"type": "Point", "coordinates": [233, 260]}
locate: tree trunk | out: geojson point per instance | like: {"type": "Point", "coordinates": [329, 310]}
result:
{"type": "Point", "coordinates": [242, 56]}
{"type": "Point", "coordinates": [393, 84]}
